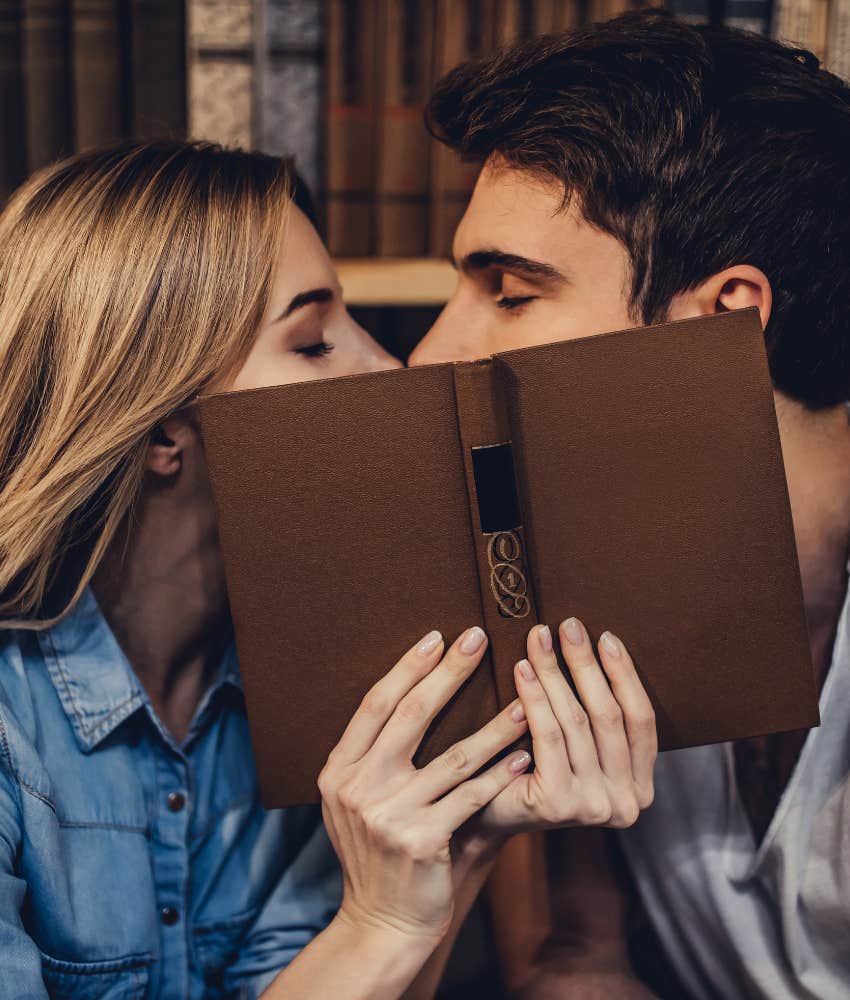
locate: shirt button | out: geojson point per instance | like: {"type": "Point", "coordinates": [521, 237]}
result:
{"type": "Point", "coordinates": [176, 801]}
{"type": "Point", "coordinates": [169, 915]}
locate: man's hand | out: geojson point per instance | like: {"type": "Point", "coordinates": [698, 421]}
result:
{"type": "Point", "coordinates": [593, 764]}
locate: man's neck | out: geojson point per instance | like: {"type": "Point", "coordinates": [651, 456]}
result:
{"type": "Point", "coordinates": [161, 588]}
{"type": "Point", "coordinates": [816, 451]}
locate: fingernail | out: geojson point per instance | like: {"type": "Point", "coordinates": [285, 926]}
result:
{"type": "Point", "coordinates": [544, 637]}
{"type": "Point", "coordinates": [429, 643]}
{"type": "Point", "coordinates": [573, 631]}
{"type": "Point", "coordinates": [526, 669]}
{"type": "Point", "coordinates": [519, 762]}
{"type": "Point", "coordinates": [518, 712]}
{"type": "Point", "coordinates": [472, 641]}
{"type": "Point", "coordinates": [610, 643]}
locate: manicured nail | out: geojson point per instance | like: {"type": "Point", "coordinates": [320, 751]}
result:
{"type": "Point", "coordinates": [519, 762]}
{"type": "Point", "coordinates": [610, 643]}
{"type": "Point", "coordinates": [429, 643]}
{"type": "Point", "coordinates": [518, 712]}
{"type": "Point", "coordinates": [544, 637]}
{"type": "Point", "coordinates": [472, 641]}
{"type": "Point", "coordinates": [526, 669]}
{"type": "Point", "coordinates": [573, 631]}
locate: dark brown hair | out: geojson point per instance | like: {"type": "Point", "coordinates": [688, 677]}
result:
{"type": "Point", "coordinates": [698, 148]}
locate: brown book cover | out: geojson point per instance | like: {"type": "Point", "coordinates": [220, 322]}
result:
{"type": "Point", "coordinates": [404, 146]}
{"type": "Point", "coordinates": [633, 479]}
{"type": "Point", "coordinates": [47, 78]}
{"type": "Point", "coordinates": [351, 115]}
{"type": "Point", "coordinates": [159, 68]}
{"type": "Point", "coordinates": [99, 88]}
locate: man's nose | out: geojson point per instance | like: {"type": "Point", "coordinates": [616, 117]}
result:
{"type": "Point", "coordinates": [447, 340]}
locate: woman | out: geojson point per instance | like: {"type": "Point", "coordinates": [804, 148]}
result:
{"type": "Point", "coordinates": [135, 859]}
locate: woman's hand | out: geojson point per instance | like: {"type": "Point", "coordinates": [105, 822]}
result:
{"type": "Point", "coordinates": [390, 823]}
{"type": "Point", "coordinates": [593, 764]}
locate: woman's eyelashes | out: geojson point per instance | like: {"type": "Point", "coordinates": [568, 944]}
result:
{"type": "Point", "coordinates": [320, 349]}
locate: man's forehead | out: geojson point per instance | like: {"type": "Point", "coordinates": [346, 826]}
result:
{"type": "Point", "coordinates": [517, 212]}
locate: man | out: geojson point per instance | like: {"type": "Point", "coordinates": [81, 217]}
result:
{"type": "Point", "coordinates": [637, 171]}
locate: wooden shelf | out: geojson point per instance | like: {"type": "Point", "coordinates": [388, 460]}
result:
{"type": "Point", "coordinates": [376, 281]}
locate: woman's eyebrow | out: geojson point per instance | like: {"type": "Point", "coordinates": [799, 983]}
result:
{"type": "Point", "coordinates": [302, 299]}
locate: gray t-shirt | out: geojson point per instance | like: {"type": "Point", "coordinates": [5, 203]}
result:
{"type": "Point", "coordinates": [738, 921]}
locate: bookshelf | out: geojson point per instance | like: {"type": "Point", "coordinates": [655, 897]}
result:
{"type": "Point", "coordinates": [395, 281]}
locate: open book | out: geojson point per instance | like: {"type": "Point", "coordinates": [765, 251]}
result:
{"type": "Point", "coordinates": [632, 479]}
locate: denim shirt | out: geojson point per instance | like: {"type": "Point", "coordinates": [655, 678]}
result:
{"type": "Point", "coordinates": [131, 866]}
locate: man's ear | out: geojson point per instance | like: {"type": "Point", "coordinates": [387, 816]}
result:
{"type": "Point", "coordinates": [167, 441]}
{"type": "Point", "coordinates": [733, 288]}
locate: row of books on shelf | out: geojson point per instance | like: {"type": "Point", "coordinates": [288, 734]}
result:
{"type": "Point", "coordinates": [338, 84]}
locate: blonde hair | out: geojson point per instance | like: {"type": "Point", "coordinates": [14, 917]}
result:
{"type": "Point", "coordinates": [130, 277]}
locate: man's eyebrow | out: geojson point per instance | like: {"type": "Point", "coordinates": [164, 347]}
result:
{"type": "Point", "coordinates": [480, 260]}
{"type": "Point", "coordinates": [305, 299]}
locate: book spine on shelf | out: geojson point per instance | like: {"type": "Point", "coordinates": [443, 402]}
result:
{"type": "Point", "coordinates": [158, 33]}
{"type": "Point", "coordinates": [350, 127]}
{"type": "Point", "coordinates": [404, 73]}
{"type": "Point", "coordinates": [462, 31]}
{"type": "Point", "coordinates": [47, 80]}
{"type": "Point", "coordinates": [220, 61]}
{"type": "Point", "coordinates": [838, 42]}
{"type": "Point", "coordinates": [691, 11]}
{"type": "Point", "coordinates": [748, 15]}
{"type": "Point", "coordinates": [13, 164]}
{"type": "Point", "coordinates": [289, 71]}
{"type": "Point", "coordinates": [802, 23]}
{"type": "Point", "coordinates": [99, 86]}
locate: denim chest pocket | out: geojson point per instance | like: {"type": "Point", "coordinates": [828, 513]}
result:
{"type": "Point", "coordinates": [121, 979]}
{"type": "Point", "coordinates": [216, 946]}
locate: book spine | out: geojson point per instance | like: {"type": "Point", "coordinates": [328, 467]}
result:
{"type": "Point", "coordinates": [568, 14]}
{"type": "Point", "coordinates": [289, 71]}
{"type": "Point", "coordinates": [47, 80]}
{"type": "Point", "coordinates": [158, 32]}
{"type": "Point", "coordinates": [461, 32]}
{"type": "Point", "coordinates": [99, 86]}
{"type": "Point", "coordinates": [801, 23]}
{"type": "Point", "coordinates": [748, 15]}
{"type": "Point", "coordinates": [838, 43]}
{"type": "Point", "coordinates": [220, 59]}
{"type": "Point", "coordinates": [350, 124]}
{"type": "Point", "coordinates": [691, 11]}
{"type": "Point", "coordinates": [406, 29]}
{"type": "Point", "coordinates": [12, 129]}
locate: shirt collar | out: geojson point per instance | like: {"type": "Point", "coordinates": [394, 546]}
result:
{"type": "Point", "coordinates": [96, 685]}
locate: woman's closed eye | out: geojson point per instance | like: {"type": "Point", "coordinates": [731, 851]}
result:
{"type": "Point", "coordinates": [318, 349]}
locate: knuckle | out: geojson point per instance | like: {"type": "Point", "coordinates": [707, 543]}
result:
{"type": "Point", "coordinates": [551, 736]}
{"type": "Point", "coordinates": [477, 797]}
{"type": "Point", "coordinates": [377, 823]}
{"type": "Point", "coordinates": [549, 667]}
{"type": "Point", "coordinates": [412, 707]}
{"type": "Point", "coordinates": [610, 717]}
{"type": "Point", "coordinates": [598, 810]}
{"type": "Point", "coordinates": [646, 796]}
{"type": "Point", "coordinates": [374, 703]}
{"type": "Point", "coordinates": [625, 814]}
{"type": "Point", "coordinates": [643, 722]}
{"type": "Point", "coordinates": [456, 760]}
{"type": "Point", "coordinates": [578, 717]}
{"type": "Point", "coordinates": [348, 796]}
{"type": "Point", "coordinates": [326, 783]}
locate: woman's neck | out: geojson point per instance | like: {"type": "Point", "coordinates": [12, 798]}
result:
{"type": "Point", "coordinates": [161, 588]}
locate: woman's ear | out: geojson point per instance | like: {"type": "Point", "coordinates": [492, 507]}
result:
{"type": "Point", "coordinates": [165, 450]}
{"type": "Point", "coordinates": [735, 287]}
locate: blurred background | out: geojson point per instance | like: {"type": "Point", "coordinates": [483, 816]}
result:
{"type": "Point", "coordinates": [339, 85]}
